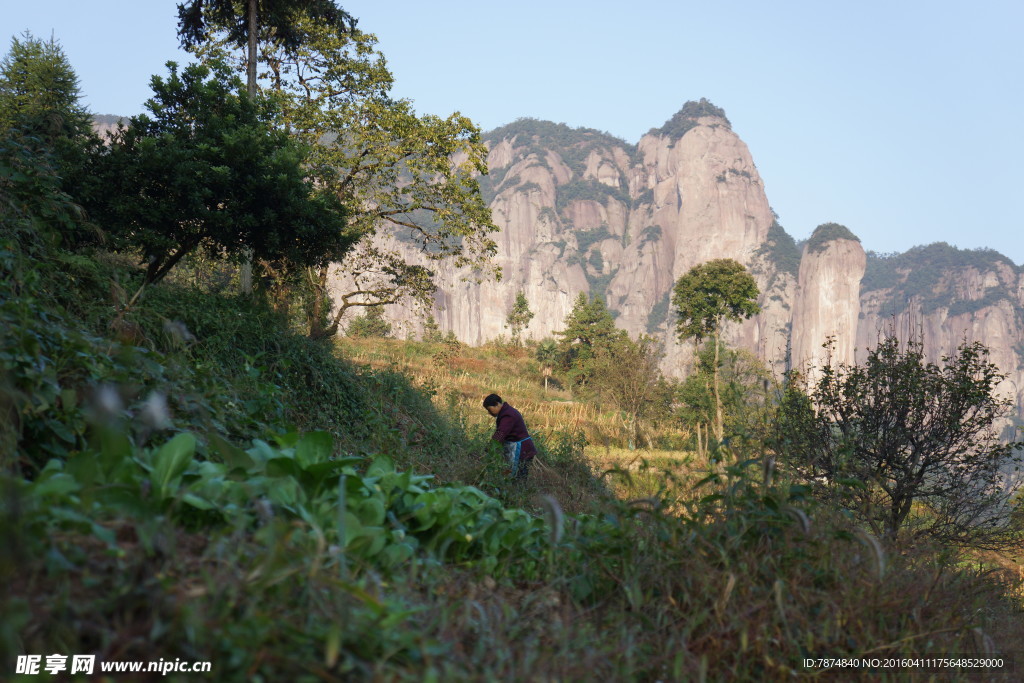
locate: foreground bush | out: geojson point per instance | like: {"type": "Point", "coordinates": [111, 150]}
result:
{"type": "Point", "coordinates": [285, 562]}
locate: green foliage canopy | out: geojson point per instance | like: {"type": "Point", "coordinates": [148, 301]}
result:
{"type": "Point", "coordinates": [589, 329]}
{"type": "Point", "coordinates": [780, 249]}
{"type": "Point", "coordinates": [207, 169]}
{"type": "Point", "coordinates": [711, 292]}
{"type": "Point", "coordinates": [827, 232]}
{"type": "Point", "coordinates": [922, 275]}
{"type": "Point", "coordinates": [406, 178]}
{"type": "Point", "coordinates": [44, 134]}
{"type": "Point", "coordinates": [34, 210]}
{"type": "Point", "coordinates": [744, 383]}
{"type": "Point", "coordinates": [573, 145]}
{"type": "Point", "coordinates": [246, 21]}
{"type": "Point", "coordinates": [627, 373]}
{"type": "Point", "coordinates": [547, 353]}
{"type": "Point", "coordinates": [704, 297]}
{"type": "Point", "coordinates": [370, 324]}
{"type": "Point", "coordinates": [686, 118]}
{"type": "Point", "coordinates": [39, 92]}
{"type": "Point", "coordinates": [519, 316]}
{"type": "Point", "coordinates": [280, 16]}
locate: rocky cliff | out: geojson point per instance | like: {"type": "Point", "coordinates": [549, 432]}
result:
{"type": "Point", "coordinates": [580, 210]}
{"type": "Point", "coordinates": [945, 296]}
{"type": "Point", "coordinates": [106, 124]}
{"type": "Point", "coordinates": [827, 299]}
{"type": "Point", "coordinates": [583, 211]}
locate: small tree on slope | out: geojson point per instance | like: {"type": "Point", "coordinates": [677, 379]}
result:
{"type": "Point", "coordinates": [908, 444]}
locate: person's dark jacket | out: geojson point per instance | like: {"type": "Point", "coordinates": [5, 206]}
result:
{"type": "Point", "coordinates": [511, 427]}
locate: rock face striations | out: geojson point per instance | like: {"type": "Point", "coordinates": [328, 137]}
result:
{"type": "Point", "coordinates": [945, 296]}
{"type": "Point", "coordinates": [827, 298]}
{"type": "Point", "coordinates": [582, 211]}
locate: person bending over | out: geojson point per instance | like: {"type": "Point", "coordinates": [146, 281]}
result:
{"type": "Point", "coordinates": [510, 431]}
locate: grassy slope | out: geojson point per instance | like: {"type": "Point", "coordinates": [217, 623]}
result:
{"type": "Point", "coordinates": [461, 376]}
{"type": "Point", "coordinates": [741, 584]}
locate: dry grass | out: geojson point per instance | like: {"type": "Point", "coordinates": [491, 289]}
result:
{"type": "Point", "coordinates": [473, 372]}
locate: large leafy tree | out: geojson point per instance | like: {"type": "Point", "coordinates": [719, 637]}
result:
{"type": "Point", "coordinates": [409, 180]}
{"type": "Point", "coordinates": [243, 24]}
{"type": "Point", "coordinates": [744, 387]}
{"type": "Point", "coordinates": [206, 169]}
{"type": "Point", "coordinates": [907, 443]}
{"type": "Point", "coordinates": [627, 373]}
{"type": "Point", "coordinates": [704, 298]}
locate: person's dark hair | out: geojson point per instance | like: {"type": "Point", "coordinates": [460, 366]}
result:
{"type": "Point", "coordinates": [492, 400]}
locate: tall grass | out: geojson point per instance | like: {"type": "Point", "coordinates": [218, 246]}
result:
{"type": "Point", "coordinates": [468, 374]}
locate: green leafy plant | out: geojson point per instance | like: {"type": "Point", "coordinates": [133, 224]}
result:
{"type": "Point", "coordinates": [519, 316]}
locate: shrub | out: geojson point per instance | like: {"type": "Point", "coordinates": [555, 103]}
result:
{"type": "Point", "coordinates": [370, 324]}
{"type": "Point", "coordinates": [907, 444]}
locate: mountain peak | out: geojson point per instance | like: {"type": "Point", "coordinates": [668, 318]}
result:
{"type": "Point", "coordinates": [686, 118]}
{"type": "Point", "coordinates": [826, 232]}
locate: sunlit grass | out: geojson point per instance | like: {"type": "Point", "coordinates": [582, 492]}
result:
{"type": "Point", "coordinates": [465, 376]}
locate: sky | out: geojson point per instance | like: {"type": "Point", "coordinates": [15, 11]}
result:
{"type": "Point", "coordinates": [900, 119]}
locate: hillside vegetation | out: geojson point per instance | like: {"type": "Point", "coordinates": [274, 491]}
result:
{"type": "Point", "coordinates": [186, 477]}
{"type": "Point", "coordinates": [216, 529]}
{"type": "Point", "coordinates": [922, 275]}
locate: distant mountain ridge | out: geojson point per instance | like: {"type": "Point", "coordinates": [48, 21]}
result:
{"type": "Point", "coordinates": [104, 124]}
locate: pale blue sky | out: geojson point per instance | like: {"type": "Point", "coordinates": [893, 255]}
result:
{"type": "Point", "coordinates": [903, 120]}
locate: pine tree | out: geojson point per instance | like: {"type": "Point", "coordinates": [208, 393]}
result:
{"type": "Point", "coordinates": [519, 317]}
{"type": "Point", "coordinates": [589, 328]}
{"type": "Point", "coordinates": [39, 92]}
{"type": "Point", "coordinates": [44, 134]}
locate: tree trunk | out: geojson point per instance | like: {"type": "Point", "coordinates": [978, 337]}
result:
{"type": "Point", "coordinates": [318, 311]}
{"type": "Point", "coordinates": [253, 35]}
{"type": "Point", "coordinates": [245, 275]}
{"type": "Point", "coordinates": [316, 308]}
{"type": "Point", "coordinates": [719, 422]}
